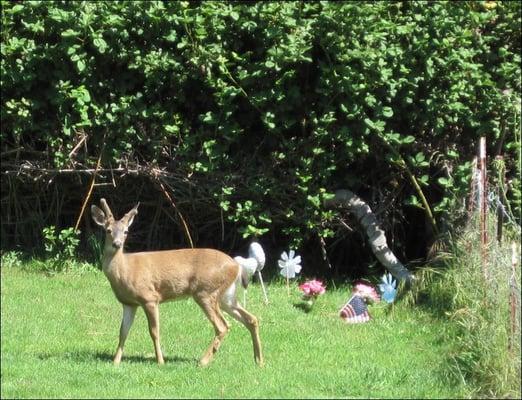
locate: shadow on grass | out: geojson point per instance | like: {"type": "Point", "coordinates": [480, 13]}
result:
{"type": "Point", "coordinates": [82, 356]}
{"type": "Point", "coordinates": [303, 306]}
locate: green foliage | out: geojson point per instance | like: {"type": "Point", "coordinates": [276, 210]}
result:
{"type": "Point", "coordinates": [276, 101]}
{"type": "Point", "coordinates": [96, 249]}
{"type": "Point", "coordinates": [60, 247]}
{"type": "Point", "coordinates": [12, 259]}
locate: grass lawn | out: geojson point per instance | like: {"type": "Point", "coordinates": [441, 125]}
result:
{"type": "Point", "coordinates": [59, 335]}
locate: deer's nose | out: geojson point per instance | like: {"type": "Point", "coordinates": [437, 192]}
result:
{"type": "Point", "coordinates": [116, 243]}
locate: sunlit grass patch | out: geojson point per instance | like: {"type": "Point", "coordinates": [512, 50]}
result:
{"type": "Point", "coordinates": [59, 334]}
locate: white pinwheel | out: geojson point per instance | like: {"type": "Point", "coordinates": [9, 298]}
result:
{"type": "Point", "coordinates": [290, 265]}
{"type": "Point", "coordinates": [388, 288]}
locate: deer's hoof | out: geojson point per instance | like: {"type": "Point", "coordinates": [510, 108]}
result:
{"type": "Point", "coordinates": [204, 362]}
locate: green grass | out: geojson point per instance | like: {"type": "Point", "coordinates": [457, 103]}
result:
{"type": "Point", "coordinates": [59, 334]}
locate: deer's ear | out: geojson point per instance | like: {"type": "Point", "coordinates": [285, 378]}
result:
{"type": "Point", "coordinates": [131, 214]}
{"type": "Point", "coordinates": [97, 215]}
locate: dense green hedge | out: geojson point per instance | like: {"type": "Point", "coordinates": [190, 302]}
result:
{"type": "Point", "coordinates": [267, 106]}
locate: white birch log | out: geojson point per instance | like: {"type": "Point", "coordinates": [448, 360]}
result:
{"type": "Point", "coordinates": [376, 236]}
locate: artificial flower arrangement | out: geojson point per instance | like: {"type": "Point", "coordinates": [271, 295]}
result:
{"type": "Point", "coordinates": [366, 291]}
{"type": "Point", "coordinates": [312, 289]}
{"type": "Point", "coordinates": [355, 310]}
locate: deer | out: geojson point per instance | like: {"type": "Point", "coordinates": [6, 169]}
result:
{"type": "Point", "coordinates": [147, 279]}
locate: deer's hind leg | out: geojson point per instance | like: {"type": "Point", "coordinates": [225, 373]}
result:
{"type": "Point", "coordinates": [232, 307]}
{"type": "Point", "coordinates": [210, 307]}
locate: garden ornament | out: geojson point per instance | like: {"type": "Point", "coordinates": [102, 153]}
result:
{"type": "Point", "coordinates": [311, 291]}
{"type": "Point", "coordinates": [355, 310]}
{"type": "Point", "coordinates": [388, 288]}
{"type": "Point", "coordinates": [254, 263]}
{"type": "Point", "coordinates": [290, 266]}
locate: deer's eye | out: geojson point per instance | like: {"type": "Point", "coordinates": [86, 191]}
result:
{"type": "Point", "coordinates": [125, 231]}
{"type": "Point", "coordinates": [109, 230]}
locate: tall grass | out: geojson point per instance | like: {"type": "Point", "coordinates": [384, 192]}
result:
{"type": "Point", "coordinates": [478, 302]}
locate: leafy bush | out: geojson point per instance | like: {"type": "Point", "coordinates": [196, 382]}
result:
{"type": "Point", "coordinates": [60, 247]}
{"type": "Point", "coordinates": [12, 259]}
{"type": "Point", "coordinates": [259, 110]}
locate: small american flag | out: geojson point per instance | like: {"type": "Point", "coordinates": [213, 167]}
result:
{"type": "Point", "coordinates": [355, 311]}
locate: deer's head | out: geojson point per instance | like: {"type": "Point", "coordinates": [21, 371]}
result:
{"type": "Point", "coordinates": [115, 231]}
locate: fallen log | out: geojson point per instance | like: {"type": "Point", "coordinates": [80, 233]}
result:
{"type": "Point", "coordinates": [376, 236]}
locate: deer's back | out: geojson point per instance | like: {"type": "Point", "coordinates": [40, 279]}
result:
{"type": "Point", "coordinates": [165, 275]}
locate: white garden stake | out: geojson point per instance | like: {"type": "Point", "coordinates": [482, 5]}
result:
{"type": "Point", "coordinates": [262, 286]}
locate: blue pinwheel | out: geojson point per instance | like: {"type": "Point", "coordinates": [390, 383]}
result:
{"type": "Point", "coordinates": [388, 288]}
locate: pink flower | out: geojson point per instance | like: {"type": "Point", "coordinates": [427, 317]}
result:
{"type": "Point", "coordinates": [312, 288]}
{"type": "Point", "coordinates": [366, 291]}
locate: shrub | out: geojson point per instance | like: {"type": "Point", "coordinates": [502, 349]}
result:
{"type": "Point", "coordinates": [11, 259]}
{"type": "Point", "coordinates": [60, 248]}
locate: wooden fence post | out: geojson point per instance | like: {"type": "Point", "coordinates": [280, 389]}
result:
{"type": "Point", "coordinates": [499, 161]}
{"type": "Point", "coordinates": [474, 190]}
{"type": "Point", "coordinates": [513, 298]}
{"type": "Point", "coordinates": [483, 205]}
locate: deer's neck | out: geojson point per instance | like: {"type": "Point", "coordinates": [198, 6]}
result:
{"type": "Point", "coordinates": [113, 263]}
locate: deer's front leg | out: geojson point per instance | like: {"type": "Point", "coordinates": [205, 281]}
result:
{"type": "Point", "coordinates": [128, 317]}
{"type": "Point", "coordinates": [152, 312]}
